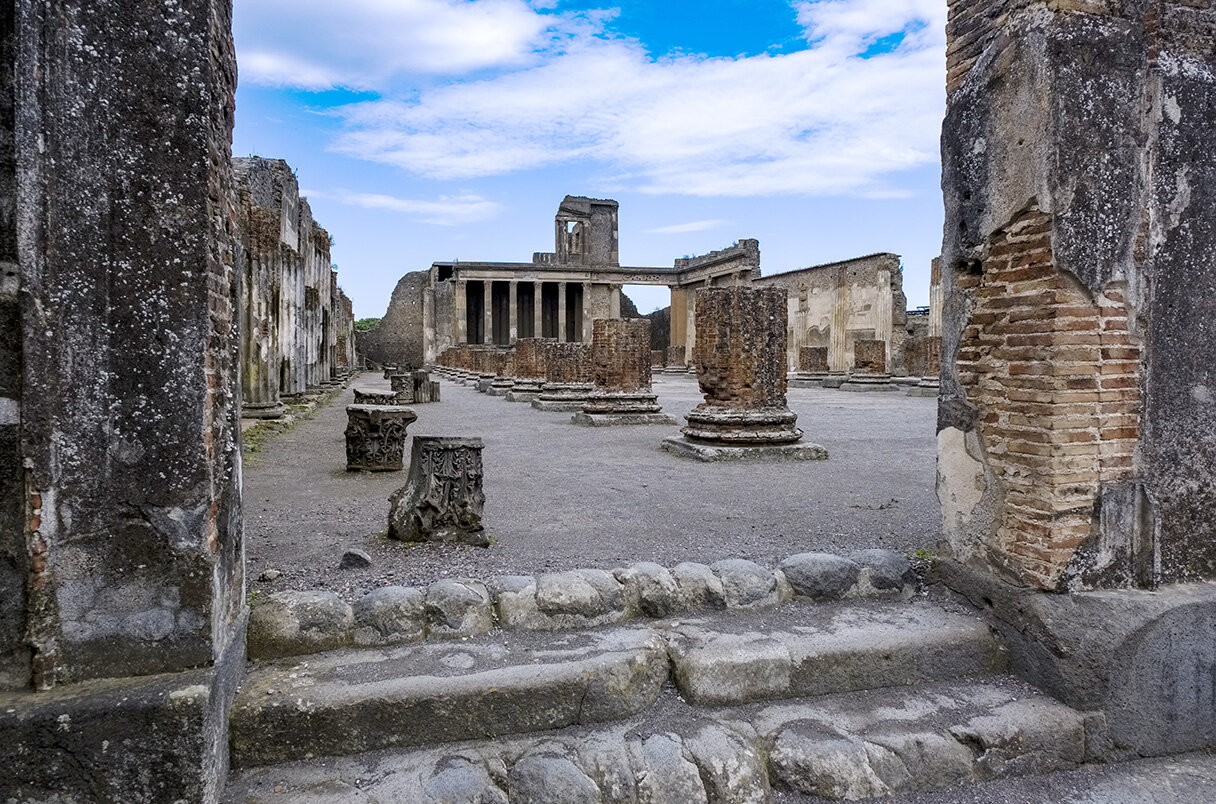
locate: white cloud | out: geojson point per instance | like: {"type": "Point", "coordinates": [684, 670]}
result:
{"type": "Point", "coordinates": [820, 121]}
{"type": "Point", "coordinates": [446, 211]}
{"type": "Point", "coordinates": [684, 228]}
{"type": "Point", "coordinates": [366, 44]}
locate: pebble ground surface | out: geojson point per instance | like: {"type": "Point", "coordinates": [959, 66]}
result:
{"type": "Point", "coordinates": [562, 497]}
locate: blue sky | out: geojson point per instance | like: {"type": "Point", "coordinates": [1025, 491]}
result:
{"type": "Point", "coordinates": [426, 130]}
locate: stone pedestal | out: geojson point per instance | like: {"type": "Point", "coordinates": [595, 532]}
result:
{"type": "Point", "coordinates": [485, 380]}
{"type": "Point", "coordinates": [389, 371]}
{"type": "Point", "coordinates": [562, 397]}
{"type": "Point", "coordinates": [425, 389]}
{"type": "Point", "coordinates": [375, 437]}
{"type": "Point", "coordinates": [276, 411]}
{"type": "Point", "coordinates": [372, 396]}
{"type": "Point", "coordinates": [620, 368]}
{"type": "Point", "coordinates": [501, 386]}
{"type": "Point", "coordinates": [443, 500]}
{"type": "Point", "coordinates": [525, 390]}
{"type": "Point", "coordinates": [741, 364]}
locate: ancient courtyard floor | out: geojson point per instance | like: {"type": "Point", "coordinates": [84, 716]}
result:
{"type": "Point", "coordinates": [564, 497]}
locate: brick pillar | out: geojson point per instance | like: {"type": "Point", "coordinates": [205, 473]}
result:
{"type": "Point", "coordinates": [740, 357]}
{"type": "Point", "coordinates": [1077, 440]}
{"type": "Point", "coordinates": [620, 367]}
{"type": "Point", "coordinates": [130, 552]}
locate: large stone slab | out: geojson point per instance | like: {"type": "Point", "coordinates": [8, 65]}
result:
{"type": "Point", "coordinates": [347, 702]}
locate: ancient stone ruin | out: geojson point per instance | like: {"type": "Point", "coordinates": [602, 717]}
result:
{"type": "Point", "coordinates": [443, 500]}
{"type": "Point", "coordinates": [567, 377]}
{"type": "Point", "coordinates": [529, 370]}
{"type": "Point", "coordinates": [375, 437]}
{"type": "Point", "coordinates": [372, 396]}
{"type": "Point", "coordinates": [812, 368]}
{"type": "Point", "coordinates": [741, 366]}
{"type": "Point", "coordinates": [620, 372]}
{"type": "Point", "coordinates": [870, 368]}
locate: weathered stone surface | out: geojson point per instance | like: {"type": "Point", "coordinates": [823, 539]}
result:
{"type": "Point", "coordinates": [665, 772]}
{"type": "Point", "coordinates": [375, 437]}
{"type": "Point", "coordinates": [746, 584]}
{"type": "Point", "coordinates": [620, 368]}
{"type": "Point", "coordinates": [732, 770]}
{"type": "Point", "coordinates": [884, 570]}
{"type": "Point", "coordinates": [456, 780]}
{"type": "Point", "coordinates": [349, 702]}
{"type": "Point", "coordinates": [821, 576]}
{"type": "Point", "coordinates": [650, 589]}
{"type": "Point", "coordinates": [730, 668]}
{"type": "Point", "coordinates": [355, 558]}
{"type": "Point", "coordinates": [458, 609]}
{"type": "Point", "coordinates": [390, 615]}
{"type": "Point", "coordinates": [370, 396]}
{"type": "Point", "coordinates": [443, 499]}
{"type": "Point", "coordinates": [550, 778]}
{"type": "Point", "coordinates": [741, 366]}
{"type": "Point", "coordinates": [813, 359]}
{"type": "Point", "coordinates": [870, 357]}
{"type": "Point", "coordinates": [291, 623]}
{"type": "Point", "coordinates": [1055, 157]}
{"type": "Point", "coordinates": [699, 587]}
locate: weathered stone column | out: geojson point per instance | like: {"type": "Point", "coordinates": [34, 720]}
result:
{"type": "Point", "coordinates": [538, 309]}
{"type": "Point", "coordinates": [676, 362]}
{"type": "Point", "coordinates": [562, 334]}
{"type": "Point", "coordinates": [529, 370]}
{"type": "Point", "coordinates": [513, 304]}
{"type": "Point", "coordinates": [1076, 427]}
{"type": "Point", "coordinates": [869, 368]}
{"type": "Point", "coordinates": [121, 551]}
{"type": "Point", "coordinates": [460, 306]}
{"type": "Point", "coordinates": [584, 329]}
{"type": "Point", "coordinates": [568, 377]}
{"type": "Point", "coordinates": [443, 500]}
{"type": "Point", "coordinates": [487, 313]}
{"type": "Point", "coordinates": [620, 372]}
{"type": "Point", "coordinates": [741, 365]}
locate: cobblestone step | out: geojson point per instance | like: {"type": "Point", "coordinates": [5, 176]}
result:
{"type": "Point", "coordinates": [345, 702]}
{"type": "Point", "coordinates": [350, 701]}
{"type": "Point", "coordinates": [847, 746]}
{"type": "Point", "coordinates": [828, 648]}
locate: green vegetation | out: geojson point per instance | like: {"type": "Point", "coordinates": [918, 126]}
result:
{"type": "Point", "coordinates": [365, 324]}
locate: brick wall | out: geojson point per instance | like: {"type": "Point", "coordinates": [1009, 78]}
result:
{"type": "Point", "coordinates": [1053, 374]}
{"type": "Point", "coordinates": [740, 353]}
{"type": "Point", "coordinates": [620, 354]}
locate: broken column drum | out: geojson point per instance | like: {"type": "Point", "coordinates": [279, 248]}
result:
{"type": "Point", "coordinates": [620, 366]}
{"type": "Point", "coordinates": [813, 367]}
{"type": "Point", "coordinates": [740, 358]}
{"type": "Point", "coordinates": [568, 373]}
{"type": "Point", "coordinates": [444, 498]}
{"type": "Point", "coordinates": [676, 363]}
{"type": "Point", "coordinates": [375, 437]}
{"type": "Point", "coordinates": [371, 396]}
{"type": "Point", "coordinates": [869, 368]}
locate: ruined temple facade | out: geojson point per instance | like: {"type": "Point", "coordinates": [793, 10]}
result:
{"type": "Point", "coordinates": [840, 303]}
{"type": "Point", "coordinates": [556, 295]}
{"type": "Point", "coordinates": [1076, 433]}
{"type": "Point", "coordinates": [297, 326]}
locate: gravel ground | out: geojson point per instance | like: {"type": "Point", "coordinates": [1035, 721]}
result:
{"type": "Point", "coordinates": [563, 497]}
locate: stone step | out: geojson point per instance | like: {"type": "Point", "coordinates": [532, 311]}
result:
{"type": "Point", "coordinates": [816, 650]}
{"type": "Point", "coordinates": [345, 702]}
{"type": "Point", "coordinates": [350, 701]}
{"type": "Point", "coordinates": [847, 746]}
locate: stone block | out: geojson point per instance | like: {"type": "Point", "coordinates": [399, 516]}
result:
{"type": "Point", "coordinates": [291, 623]}
{"type": "Point", "coordinates": [821, 576]}
{"type": "Point", "coordinates": [746, 584]}
{"type": "Point", "coordinates": [650, 589]}
{"type": "Point", "coordinates": [371, 396]}
{"type": "Point", "coordinates": [375, 437]}
{"type": "Point", "coordinates": [443, 499]}
{"type": "Point", "coordinates": [458, 608]}
{"type": "Point", "coordinates": [389, 615]}
{"type": "Point", "coordinates": [710, 453]}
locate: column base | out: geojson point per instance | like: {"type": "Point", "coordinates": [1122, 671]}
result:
{"type": "Point", "coordinates": [869, 382]}
{"type": "Point", "coordinates": [264, 412]}
{"type": "Point", "coordinates": [711, 453]}
{"type": "Point", "coordinates": [729, 427]}
{"type": "Point", "coordinates": [584, 419]}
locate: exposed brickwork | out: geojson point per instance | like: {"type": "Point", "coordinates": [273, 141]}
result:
{"type": "Point", "coordinates": [813, 359]}
{"type": "Point", "coordinates": [675, 356]}
{"type": "Point", "coordinates": [870, 357]}
{"type": "Point", "coordinates": [567, 362]}
{"type": "Point", "coordinates": [1053, 374]}
{"type": "Point", "coordinates": [620, 354]}
{"type": "Point", "coordinates": [740, 352]}
{"type": "Point", "coordinates": [530, 358]}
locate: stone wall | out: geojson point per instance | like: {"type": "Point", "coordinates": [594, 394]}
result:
{"type": "Point", "coordinates": [620, 354]}
{"type": "Point", "coordinates": [837, 304]}
{"type": "Point", "coordinates": [293, 316]}
{"type": "Point", "coordinates": [399, 338]}
{"type": "Point", "coordinates": [1077, 436]}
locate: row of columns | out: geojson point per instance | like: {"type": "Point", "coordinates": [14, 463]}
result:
{"type": "Point", "coordinates": [581, 330]}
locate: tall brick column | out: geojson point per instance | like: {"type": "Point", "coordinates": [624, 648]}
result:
{"type": "Point", "coordinates": [1077, 421]}
{"type": "Point", "coordinates": [741, 364]}
{"type": "Point", "coordinates": [620, 371]}
{"type": "Point", "coordinates": [130, 552]}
